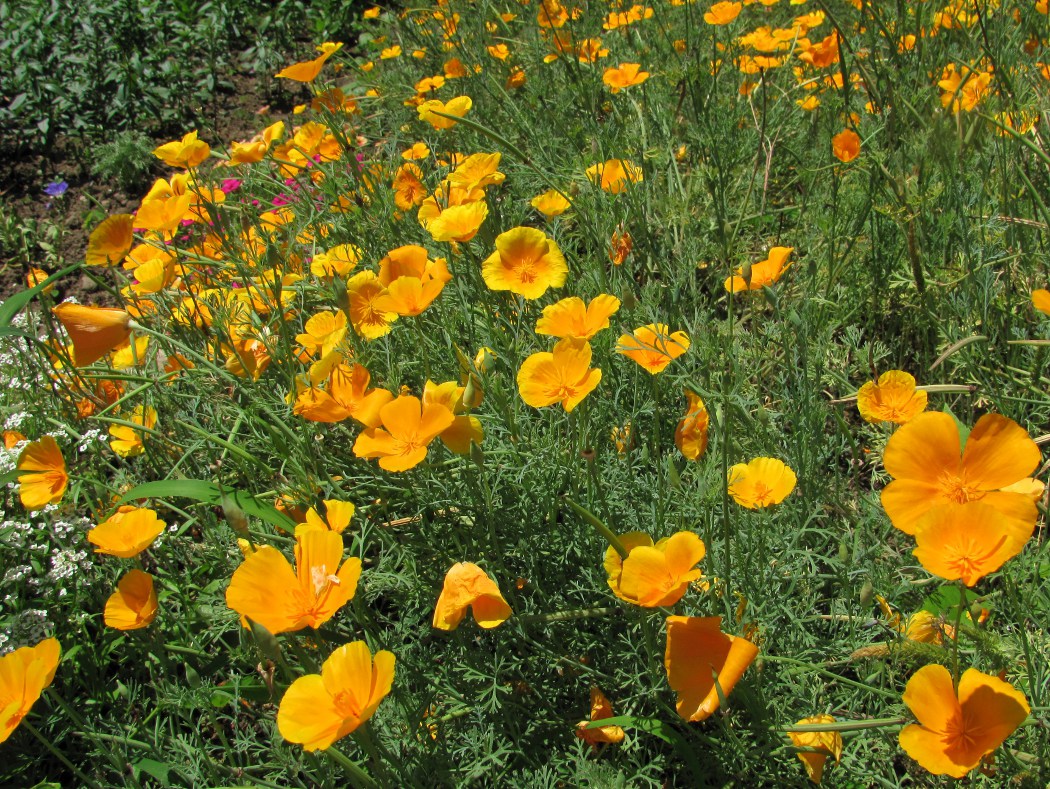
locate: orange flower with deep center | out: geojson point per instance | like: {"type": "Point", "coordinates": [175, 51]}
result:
{"type": "Point", "coordinates": [564, 376]}
{"type": "Point", "coordinates": [893, 398]}
{"type": "Point", "coordinates": [653, 346]}
{"type": "Point", "coordinates": [44, 479]}
{"type": "Point", "coordinates": [408, 428]}
{"type": "Point", "coordinates": [525, 262]}
{"type": "Point", "coordinates": [698, 652]}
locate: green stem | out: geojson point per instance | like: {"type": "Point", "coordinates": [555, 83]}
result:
{"type": "Point", "coordinates": [565, 616]}
{"type": "Point", "coordinates": [59, 755]}
{"type": "Point", "coordinates": [874, 723]}
{"type": "Point", "coordinates": [831, 675]}
{"type": "Point", "coordinates": [356, 776]}
{"type": "Point", "coordinates": [600, 527]}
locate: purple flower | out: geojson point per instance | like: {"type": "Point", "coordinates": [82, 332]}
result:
{"type": "Point", "coordinates": [56, 188]}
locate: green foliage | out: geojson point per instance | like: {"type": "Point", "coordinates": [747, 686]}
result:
{"type": "Point", "coordinates": [127, 159]}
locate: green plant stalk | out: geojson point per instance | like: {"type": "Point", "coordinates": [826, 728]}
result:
{"type": "Point", "coordinates": [874, 723]}
{"type": "Point", "coordinates": [358, 778]}
{"type": "Point", "coordinates": [600, 527]}
{"type": "Point", "coordinates": [59, 755]}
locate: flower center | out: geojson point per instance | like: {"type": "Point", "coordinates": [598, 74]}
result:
{"type": "Point", "coordinates": [346, 705]}
{"type": "Point", "coordinates": [955, 489]}
{"type": "Point", "coordinates": [762, 494]}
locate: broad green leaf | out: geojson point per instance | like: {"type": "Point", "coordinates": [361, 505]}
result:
{"type": "Point", "coordinates": [12, 306]}
{"type": "Point", "coordinates": [153, 768]}
{"type": "Point", "coordinates": [207, 493]}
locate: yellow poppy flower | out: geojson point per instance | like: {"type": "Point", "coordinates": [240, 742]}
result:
{"type": "Point", "coordinates": [601, 709]}
{"type": "Point", "coordinates": [468, 586]}
{"type": "Point", "coordinates": [722, 13]}
{"type": "Point", "coordinates": [690, 436]}
{"type": "Point", "coordinates": [614, 175]}
{"type": "Point", "coordinates": [407, 429]}
{"type": "Point", "coordinates": [24, 674]}
{"type": "Point", "coordinates": [129, 442]}
{"type": "Point", "coordinates": [967, 541]}
{"type": "Point", "coordinates": [893, 398]}
{"type": "Point", "coordinates": [655, 575]}
{"type": "Point", "coordinates": [551, 204]}
{"type": "Point", "coordinates": [819, 744]}
{"type": "Point", "coordinates": [94, 331]}
{"type": "Point", "coordinates": [564, 376]}
{"type": "Point", "coordinates": [44, 480]}
{"type": "Point", "coordinates": [134, 604]}
{"type": "Point", "coordinates": [308, 70]}
{"type": "Point", "coordinates": [525, 262]}
{"type": "Point", "coordinates": [110, 241]}
{"type": "Point", "coordinates": [458, 106]}
{"type": "Point", "coordinates": [763, 273]}
{"type": "Point", "coordinates": [653, 346]}
{"type": "Point", "coordinates": [761, 483]}
{"type": "Point", "coordinates": [185, 153]}
{"type": "Point", "coordinates": [846, 145]}
{"type": "Point", "coordinates": [698, 652]}
{"type": "Point", "coordinates": [570, 317]}
{"type": "Point", "coordinates": [625, 75]}
{"type": "Point", "coordinates": [126, 533]}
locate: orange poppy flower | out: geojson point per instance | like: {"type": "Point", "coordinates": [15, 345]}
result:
{"type": "Point", "coordinates": [369, 319]}
{"type": "Point", "coordinates": [563, 376]}
{"type": "Point", "coordinates": [95, 331]}
{"type": "Point", "coordinates": [408, 427]}
{"type": "Point", "coordinates": [110, 241]}
{"type": "Point", "coordinates": [955, 732]}
{"type": "Point", "coordinates": [653, 346]}
{"type": "Point", "coordinates": [465, 429]}
{"type": "Point", "coordinates": [525, 262]}
{"type": "Point", "coordinates": [1041, 300]}
{"type": "Point", "coordinates": [761, 483]}
{"type": "Point", "coordinates": [570, 317]}
{"type": "Point", "coordinates": [763, 273]}
{"type": "Point", "coordinates": [134, 604]}
{"type": "Point", "coordinates": [821, 745]}
{"type": "Point", "coordinates": [337, 517]}
{"type": "Point", "coordinates": [625, 75]}
{"type": "Point", "coordinates": [654, 575]}
{"type": "Point", "coordinates": [722, 13]}
{"type": "Point", "coordinates": [409, 190]}
{"type": "Point", "coordinates": [615, 175]}
{"type": "Point", "coordinates": [44, 479]}
{"type": "Point", "coordinates": [552, 203]}
{"type": "Point", "coordinates": [929, 470]}
{"type": "Point", "coordinates": [458, 106]}
{"type": "Point", "coordinates": [967, 541]}
{"type": "Point", "coordinates": [126, 533]}
{"type": "Point", "coordinates": [893, 398]}
{"type": "Point", "coordinates": [477, 171]}
{"type": "Point", "coordinates": [690, 436]}
{"type": "Point", "coordinates": [267, 590]}
{"type": "Point", "coordinates": [24, 674]}
{"type": "Point", "coordinates": [467, 586]}
{"type": "Point", "coordinates": [347, 396]}
{"type": "Point", "coordinates": [318, 709]}
{"type": "Point", "coordinates": [601, 709]}
{"type": "Point", "coordinates": [620, 247]}
{"type": "Point", "coordinates": [323, 332]}
{"type": "Point", "coordinates": [185, 153]}
{"type": "Point", "coordinates": [846, 145]}
{"type": "Point", "coordinates": [337, 261]}
{"type": "Point", "coordinates": [308, 70]}
{"type": "Point", "coordinates": [129, 442]}
{"type": "Point", "coordinates": [698, 653]}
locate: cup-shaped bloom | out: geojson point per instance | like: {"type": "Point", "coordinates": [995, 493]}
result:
{"type": "Point", "coordinates": [307, 71]}
{"type": "Point", "coordinates": [1041, 300]}
{"type": "Point", "coordinates": [111, 241]}
{"type": "Point", "coordinates": [893, 398]}
{"type": "Point", "coordinates": [459, 106]}
{"type": "Point", "coordinates": [614, 175]}
{"type": "Point", "coordinates": [699, 654]}
{"type": "Point", "coordinates": [318, 709]}
{"type": "Point", "coordinates": [929, 470]}
{"type": "Point", "coordinates": [24, 674]}
{"type": "Point", "coordinates": [690, 436]}
{"type": "Point", "coordinates": [761, 483]}
{"type": "Point", "coordinates": [846, 145]}
{"type": "Point", "coordinates": [468, 586]}
{"type": "Point", "coordinates": [267, 590]}
{"type": "Point", "coordinates": [129, 442]}
{"type": "Point", "coordinates": [655, 575]}
{"type": "Point", "coordinates": [564, 376]}
{"type": "Point", "coordinates": [369, 318]}
{"type": "Point", "coordinates": [337, 517]}
{"type": "Point", "coordinates": [821, 745]}
{"type": "Point", "coordinates": [625, 75]}
{"type": "Point", "coordinates": [967, 541]}
{"type": "Point", "coordinates": [722, 13]}
{"type": "Point", "coordinates": [44, 479]}
{"type": "Point", "coordinates": [653, 346]}
{"type": "Point", "coordinates": [126, 533]}
{"type": "Point", "coordinates": [408, 428]}
{"type": "Point", "coordinates": [525, 262]}
{"type": "Point", "coordinates": [763, 273]}
{"type": "Point", "coordinates": [601, 709]}
{"type": "Point", "coordinates": [95, 331]}
{"type": "Point", "coordinates": [187, 152]}
{"type": "Point", "coordinates": [551, 204]}
{"type": "Point", "coordinates": [134, 604]}
{"type": "Point", "coordinates": [465, 429]}
{"type": "Point", "coordinates": [955, 732]}
{"type": "Point", "coordinates": [570, 317]}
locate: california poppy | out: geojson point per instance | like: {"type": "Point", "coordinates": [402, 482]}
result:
{"type": "Point", "coordinates": [468, 586]}
{"type": "Point", "coordinates": [126, 533]}
{"type": "Point", "coordinates": [337, 517]}
{"type": "Point", "coordinates": [690, 436]}
{"type": "Point", "coordinates": [323, 332]}
{"type": "Point", "coordinates": [407, 429]}
{"type": "Point", "coordinates": [318, 709]}
{"type": "Point", "coordinates": [967, 541]}
{"type": "Point", "coordinates": [699, 654]}
{"type": "Point", "coordinates": [110, 241]}
{"type": "Point", "coordinates": [24, 674]}
{"type": "Point", "coordinates": [134, 604]}
{"type": "Point", "coordinates": [653, 346]}
{"type": "Point", "coordinates": [186, 153]}
{"type": "Point", "coordinates": [564, 376]}
{"type": "Point", "coordinates": [625, 75]}
{"type": "Point", "coordinates": [597, 735]}
{"type": "Point", "coordinates": [44, 480]}
{"type": "Point", "coordinates": [846, 145]}
{"type": "Point", "coordinates": [369, 318]}
{"type": "Point", "coordinates": [465, 429]}
{"type": "Point", "coordinates": [458, 106]}
{"type": "Point", "coordinates": [893, 398]}
{"type": "Point", "coordinates": [267, 590]}
{"type": "Point", "coordinates": [308, 70]}
{"type": "Point", "coordinates": [819, 746]}
{"type": "Point", "coordinates": [722, 13]}
{"type": "Point", "coordinates": [1041, 300]}
{"type": "Point", "coordinates": [929, 468]}
{"type": "Point", "coordinates": [551, 204]}
{"type": "Point", "coordinates": [761, 482]}
{"type": "Point", "coordinates": [95, 331]}
{"type": "Point", "coordinates": [346, 396]}
{"type": "Point", "coordinates": [525, 262]}
{"type": "Point", "coordinates": [570, 317]}
{"type": "Point", "coordinates": [763, 273]}
{"type": "Point", "coordinates": [654, 575]}
{"type": "Point", "coordinates": [614, 175]}
{"type": "Point", "coordinates": [956, 730]}
{"type": "Point", "coordinates": [128, 441]}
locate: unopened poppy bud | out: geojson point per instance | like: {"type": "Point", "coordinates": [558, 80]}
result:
{"type": "Point", "coordinates": [485, 360]}
{"type": "Point", "coordinates": [470, 393]}
{"type": "Point", "coordinates": [628, 300]}
{"type": "Point", "coordinates": [265, 640]}
{"type": "Point", "coordinates": [233, 514]}
{"type": "Point", "coordinates": [342, 299]}
{"type": "Point", "coordinates": [867, 592]}
{"type": "Point", "coordinates": [745, 273]}
{"type": "Point", "coordinates": [843, 552]}
{"type": "Point", "coordinates": [477, 454]}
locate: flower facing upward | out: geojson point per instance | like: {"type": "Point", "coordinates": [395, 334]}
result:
{"type": "Point", "coordinates": [626, 75]}
{"type": "Point", "coordinates": [551, 203]}
{"type": "Point", "coordinates": [654, 575]}
{"type": "Point", "coordinates": [763, 273]}
{"type": "Point", "coordinates": [614, 175]}
{"type": "Point", "coordinates": [698, 653]}
{"type": "Point", "coordinates": [572, 318]}
{"type": "Point", "coordinates": [468, 586]}
{"type": "Point", "coordinates": [134, 604]}
{"type": "Point", "coordinates": [126, 533]}
{"type": "Point", "coordinates": [185, 153]}
{"type": "Point", "coordinates": [822, 744]}
{"type": "Point", "coordinates": [267, 590]}
{"type": "Point", "coordinates": [44, 480]}
{"type": "Point", "coordinates": [600, 710]}
{"type": "Point", "coordinates": [318, 709]}
{"type": "Point", "coordinates": [564, 376]}
{"type": "Point", "coordinates": [929, 470]}
{"type": "Point", "coordinates": [408, 427]}
{"type": "Point", "coordinates": [955, 732]}
{"type": "Point", "coordinates": [458, 106]}
{"type": "Point", "coordinates": [653, 346]}
{"type": "Point", "coordinates": [24, 674]}
{"type": "Point", "coordinates": [846, 145]}
{"type": "Point", "coordinates": [525, 262]}
{"type": "Point", "coordinates": [367, 314]}
{"type": "Point", "coordinates": [761, 483]}
{"type": "Point", "coordinates": [95, 331]}
{"type": "Point", "coordinates": [967, 541]}
{"type": "Point", "coordinates": [893, 398]}
{"type": "Point", "coordinates": [690, 436]}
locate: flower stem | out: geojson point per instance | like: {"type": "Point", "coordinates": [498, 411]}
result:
{"type": "Point", "coordinates": [599, 527]}
{"type": "Point", "coordinates": [358, 777]}
{"type": "Point", "coordinates": [59, 755]}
